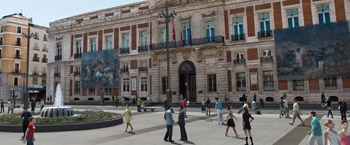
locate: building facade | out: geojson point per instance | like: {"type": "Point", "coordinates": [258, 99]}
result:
{"type": "Point", "coordinates": [13, 50]}
{"type": "Point", "coordinates": [225, 47]}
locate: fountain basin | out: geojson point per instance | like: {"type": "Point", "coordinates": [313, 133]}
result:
{"type": "Point", "coordinates": [51, 112]}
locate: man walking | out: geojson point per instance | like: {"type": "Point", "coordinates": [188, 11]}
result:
{"type": "Point", "coordinates": [25, 115]}
{"type": "Point", "coordinates": [169, 121]}
{"type": "Point", "coordinates": [181, 122]}
{"type": "Point", "coordinates": [323, 99]}
{"type": "Point", "coordinates": [343, 108]}
{"type": "Point", "coordinates": [316, 130]}
{"type": "Point", "coordinates": [2, 106]}
{"type": "Point", "coordinates": [296, 112]}
{"type": "Point", "coordinates": [261, 100]}
{"type": "Point", "coordinates": [218, 109]}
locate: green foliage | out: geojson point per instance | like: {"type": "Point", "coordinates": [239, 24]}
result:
{"type": "Point", "coordinates": [85, 117]}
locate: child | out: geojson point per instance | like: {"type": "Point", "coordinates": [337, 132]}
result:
{"type": "Point", "coordinates": [128, 116]}
{"type": "Point", "coordinates": [29, 135]}
{"type": "Point", "coordinates": [229, 120]}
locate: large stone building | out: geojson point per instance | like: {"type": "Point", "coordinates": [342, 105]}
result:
{"type": "Point", "coordinates": [224, 46]}
{"type": "Point", "coordinates": [13, 53]}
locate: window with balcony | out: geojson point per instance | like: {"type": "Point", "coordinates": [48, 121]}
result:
{"type": "Point", "coordinates": [298, 85]}
{"type": "Point", "coordinates": [164, 84]}
{"type": "Point", "coordinates": [15, 81]}
{"type": "Point", "coordinates": [265, 29]}
{"type": "Point", "coordinates": [44, 59]}
{"type": "Point", "coordinates": [186, 33]}
{"type": "Point", "coordinates": [268, 80]}
{"type": "Point", "coordinates": [323, 14]}
{"type": "Point", "coordinates": [18, 54]}
{"type": "Point", "coordinates": [109, 42]}
{"type": "Point", "coordinates": [330, 83]}
{"type": "Point", "coordinates": [240, 82]}
{"type": "Point", "coordinates": [293, 18]}
{"type": "Point", "coordinates": [78, 45]}
{"type": "Point", "coordinates": [143, 42]}
{"type": "Point", "coordinates": [163, 35]}
{"type": "Point", "coordinates": [18, 41]}
{"type": "Point", "coordinates": [125, 42]}
{"type": "Point", "coordinates": [77, 70]}
{"type": "Point", "coordinates": [211, 80]}
{"type": "Point", "coordinates": [126, 85]}
{"type": "Point", "coordinates": [238, 29]}
{"type": "Point", "coordinates": [36, 36]}
{"type": "Point", "coordinates": [35, 57]}
{"type": "Point", "coordinates": [240, 59]}
{"type": "Point", "coordinates": [35, 80]}
{"type": "Point", "coordinates": [58, 51]}
{"type": "Point", "coordinates": [144, 84]}
{"type": "Point", "coordinates": [108, 91]}
{"type": "Point", "coordinates": [77, 87]}
{"type": "Point", "coordinates": [209, 32]}
{"type": "Point", "coordinates": [19, 30]}
{"type": "Point", "coordinates": [266, 56]}
{"type": "Point", "coordinates": [92, 44]}
{"type": "Point", "coordinates": [16, 68]}
{"type": "Point", "coordinates": [143, 66]}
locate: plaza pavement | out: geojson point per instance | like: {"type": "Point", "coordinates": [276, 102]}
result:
{"type": "Point", "coordinates": [267, 129]}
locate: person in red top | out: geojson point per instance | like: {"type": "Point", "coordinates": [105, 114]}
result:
{"type": "Point", "coordinates": [184, 105]}
{"type": "Point", "coordinates": [30, 133]}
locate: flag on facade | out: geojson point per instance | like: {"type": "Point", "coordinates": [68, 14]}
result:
{"type": "Point", "coordinates": [173, 31]}
{"type": "Point", "coordinates": [189, 31]}
{"type": "Point", "coordinates": [181, 31]}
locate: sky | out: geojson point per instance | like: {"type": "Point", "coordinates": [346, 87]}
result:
{"type": "Point", "coordinates": [45, 11]}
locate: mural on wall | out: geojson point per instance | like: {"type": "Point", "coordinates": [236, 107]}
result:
{"type": "Point", "coordinates": [317, 51]}
{"type": "Point", "coordinates": [100, 69]}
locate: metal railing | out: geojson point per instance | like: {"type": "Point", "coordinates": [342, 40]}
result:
{"type": "Point", "coordinates": [143, 68]}
{"type": "Point", "coordinates": [58, 57]}
{"type": "Point", "coordinates": [77, 73]}
{"type": "Point", "coordinates": [192, 42]}
{"type": "Point", "coordinates": [43, 59]}
{"type": "Point", "coordinates": [239, 61]}
{"type": "Point", "coordinates": [238, 37]}
{"type": "Point", "coordinates": [264, 34]}
{"type": "Point", "coordinates": [143, 48]}
{"type": "Point", "coordinates": [124, 50]}
{"type": "Point", "coordinates": [124, 70]}
{"type": "Point", "coordinates": [16, 71]}
{"type": "Point", "coordinates": [17, 56]}
{"type": "Point", "coordinates": [266, 59]}
{"type": "Point", "coordinates": [18, 43]}
{"type": "Point", "coordinates": [77, 55]}
{"type": "Point", "coordinates": [36, 59]}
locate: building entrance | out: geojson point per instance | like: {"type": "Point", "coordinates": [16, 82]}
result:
{"type": "Point", "coordinates": [187, 78]}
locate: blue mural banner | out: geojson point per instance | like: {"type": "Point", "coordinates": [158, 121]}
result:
{"type": "Point", "coordinates": [318, 51]}
{"type": "Point", "coordinates": [100, 69]}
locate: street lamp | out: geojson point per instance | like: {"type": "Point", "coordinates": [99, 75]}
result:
{"type": "Point", "coordinates": [166, 15]}
{"type": "Point", "coordinates": [28, 36]}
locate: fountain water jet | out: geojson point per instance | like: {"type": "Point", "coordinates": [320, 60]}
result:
{"type": "Point", "coordinates": [59, 110]}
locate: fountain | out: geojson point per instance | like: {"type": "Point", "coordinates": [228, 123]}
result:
{"type": "Point", "coordinates": [58, 110]}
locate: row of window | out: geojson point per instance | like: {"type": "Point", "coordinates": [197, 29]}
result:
{"type": "Point", "coordinates": [19, 30]}
{"type": "Point", "coordinates": [34, 81]}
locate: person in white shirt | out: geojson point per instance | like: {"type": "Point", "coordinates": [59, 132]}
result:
{"type": "Point", "coordinates": [42, 103]}
{"type": "Point", "coordinates": [296, 112]}
{"type": "Point", "coordinates": [261, 99]}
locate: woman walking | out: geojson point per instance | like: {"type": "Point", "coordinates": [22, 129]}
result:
{"type": "Point", "coordinates": [229, 120]}
{"type": "Point", "coordinates": [208, 106]}
{"type": "Point", "coordinates": [128, 115]}
{"type": "Point", "coordinates": [29, 135]}
{"type": "Point", "coordinates": [246, 125]}
{"type": "Point", "coordinates": [203, 105]}
{"type": "Point", "coordinates": [329, 107]}
{"type": "Point", "coordinates": [344, 135]}
{"type": "Point", "coordinates": [330, 135]}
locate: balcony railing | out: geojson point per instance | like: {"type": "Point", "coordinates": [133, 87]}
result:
{"type": "Point", "coordinates": [124, 50]}
{"type": "Point", "coordinates": [239, 61]}
{"type": "Point", "coordinates": [18, 43]}
{"type": "Point", "coordinates": [124, 70]}
{"type": "Point", "coordinates": [17, 56]}
{"type": "Point", "coordinates": [143, 48]}
{"type": "Point", "coordinates": [16, 71]}
{"type": "Point", "coordinates": [58, 57]}
{"type": "Point", "coordinates": [192, 42]}
{"type": "Point", "coordinates": [45, 50]}
{"type": "Point", "coordinates": [77, 55]}
{"type": "Point", "coordinates": [298, 88]}
{"type": "Point", "coordinates": [264, 34]}
{"type": "Point", "coordinates": [241, 89]}
{"type": "Point", "coordinates": [77, 73]}
{"type": "Point", "coordinates": [238, 37]}
{"type": "Point", "coordinates": [57, 74]}
{"type": "Point", "coordinates": [35, 73]}
{"type": "Point", "coordinates": [36, 48]}
{"type": "Point", "coordinates": [36, 59]}
{"type": "Point", "coordinates": [43, 59]}
{"type": "Point", "coordinates": [43, 73]}
{"type": "Point", "coordinates": [143, 68]}
{"type": "Point", "coordinates": [266, 59]}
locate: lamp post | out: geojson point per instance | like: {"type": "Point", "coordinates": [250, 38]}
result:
{"type": "Point", "coordinates": [28, 36]}
{"type": "Point", "coordinates": [166, 15]}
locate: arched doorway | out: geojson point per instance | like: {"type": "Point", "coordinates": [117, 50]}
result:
{"type": "Point", "coordinates": [187, 78]}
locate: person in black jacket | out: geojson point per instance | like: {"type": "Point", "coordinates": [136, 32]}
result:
{"type": "Point", "coordinates": [342, 108]}
{"type": "Point", "coordinates": [181, 123]}
{"type": "Point", "coordinates": [26, 115]}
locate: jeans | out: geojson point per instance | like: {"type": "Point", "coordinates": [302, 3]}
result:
{"type": "Point", "coordinates": [220, 118]}
{"type": "Point", "coordinates": [183, 132]}
{"type": "Point", "coordinates": [185, 112]}
{"type": "Point", "coordinates": [318, 139]}
{"type": "Point", "coordinates": [2, 109]}
{"type": "Point", "coordinates": [343, 115]}
{"type": "Point", "coordinates": [169, 132]}
{"type": "Point", "coordinates": [30, 141]}
{"type": "Point", "coordinates": [287, 111]}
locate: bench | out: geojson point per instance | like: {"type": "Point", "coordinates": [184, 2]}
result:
{"type": "Point", "coordinates": [150, 108]}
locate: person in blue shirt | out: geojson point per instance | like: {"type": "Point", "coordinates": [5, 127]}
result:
{"type": "Point", "coordinates": [316, 130]}
{"type": "Point", "coordinates": [218, 108]}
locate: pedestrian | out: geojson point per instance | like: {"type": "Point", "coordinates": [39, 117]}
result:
{"type": "Point", "coordinates": [342, 108]}
{"type": "Point", "coordinates": [261, 100]}
{"type": "Point", "coordinates": [9, 107]}
{"type": "Point", "coordinates": [13, 104]}
{"type": "Point", "coordinates": [316, 130]}
{"type": "Point", "coordinates": [181, 98]}
{"type": "Point", "coordinates": [330, 135]}
{"type": "Point", "coordinates": [329, 107]}
{"type": "Point", "coordinates": [29, 134]}
{"type": "Point", "coordinates": [244, 98]}
{"type": "Point", "coordinates": [323, 99]}
{"type": "Point", "coordinates": [128, 116]}
{"type": "Point", "coordinates": [254, 97]}
{"type": "Point", "coordinates": [203, 105]}
{"type": "Point", "coordinates": [133, 99]}
{"type": "Point", "coordinates": [25, 115]}
{"type": "Point", "coordinates": [138, 104]}
{"type": "Point", "coordinates": [246, 125]}
{"type": "Point", "coordinates": [286, 109]}
{"type": "Point", "coordinates": [245, 104]}
{"type": "Point", "coordinates": [296, 112]}
{"type": "Point", "coordinates": [181, 122]}
{"type": "Point", "coordinates": [344, 134]}
{"type": "Point", "coordinates": [42, 103]}
{"type": "Point", "coordinates": [218, 109]}
{"type": "Point", "coordinates": [2, 106]}
{"type": "Point", "coordinates": [217, 97]}
{"type": "Point", "coordinates": [33, 103]}
{"type": "Point", "coordinates": [282, 112]}
{"type": "Point", "coordinates": [113, 99]}
{"type": "Point", "coordinates": [169, 121]}
{"type": "Point", "coordinates": [230, 122]}
{"type": "Point", "coordinates": [226, 99]}
{"type": "Point", "coordinates": [184, 105]}
{"type": "Point", "coordinates": [208, 106]}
